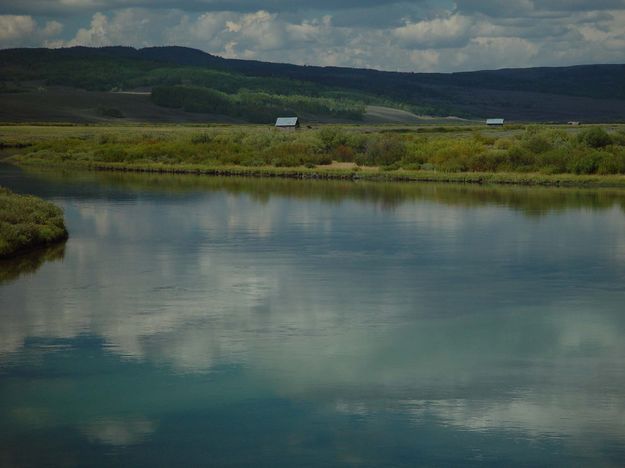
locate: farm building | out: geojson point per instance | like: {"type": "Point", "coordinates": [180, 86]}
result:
{"type": "Point", "coordinates": [287, 123]}
{"type": "Point", "coordinates": [494, 122]}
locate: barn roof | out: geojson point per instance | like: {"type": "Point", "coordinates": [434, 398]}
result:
{"type": "Point", "coordinates": [286, 121]}
{"type": "Point", "coordinates": [494, 121]}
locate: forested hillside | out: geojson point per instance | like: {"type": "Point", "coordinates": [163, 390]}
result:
{"type": "Point", "coordinates": [256, 91]}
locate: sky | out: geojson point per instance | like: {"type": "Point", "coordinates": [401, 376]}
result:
{"type": "Point", "coordinates": [418, 35]}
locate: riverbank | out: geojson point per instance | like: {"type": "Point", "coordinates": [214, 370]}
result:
{"type": "Point", "coordinates": [357, 174]}
{"type": "Point", "coordinates": [534, 155]}
{"type": "Point", "coordinates": [28, 223]}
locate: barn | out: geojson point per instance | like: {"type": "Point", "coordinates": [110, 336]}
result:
{"type": "Point", "coordinates": [494, 122]}
{"type": "Point", "coordinates": [287, 123]}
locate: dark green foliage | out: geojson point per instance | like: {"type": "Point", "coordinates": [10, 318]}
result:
{"type": "Point", "coordinates": [611, 163]}
{"type": "Point", "coordinates": [261, 98]}
{"type": "Point", "coordinates": [111, 112]}
{"type": "Point", "coordinates": [488, 161]}
{"type": "Point", "coordinates": [461, 94]}
{"type": "Point", "coordinates": [252, 107]}
{"type": "Point", "coordinates": [12, 88]}
{"type": "Point", "coordinates": [27, 222]}
{"type": "Point", "coordinates": [538, 144]}
{"type": "Point", "coordinates": [595, 137]}
{"type": "Point", "coordinates": [554, 161]}
{"type": "Point", "coordinates": [201, 138]}
{"type": "Point", "coordinates": [384, 151]}
{"type": "Point", "coordinates": [584, 162]}
{"type": "Point", "coordinates": [332, 138]}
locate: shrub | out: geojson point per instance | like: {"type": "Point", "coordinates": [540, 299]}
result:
{"type": "Point", "coordinates": [554, 161]}
{"type": "Point", "coordinates": [253, 162]}
{"type": "Point", "coordinates": [503, 143]}
{"type": "Point", "coordinates": [201, 138]}
{"type": "Point", "coordinates": [610, 163]}
{"type": "Point", "coordinates": [358, 142]}
{"type": "Point", "coordinates": [531, 130]}
{"type": "Point", "coordinates": [618, 138]}
{"type": "Point", "coordinates": [595, 137]}
{"type": "Point", "coordinates": [519, 158]}
{"type": "Point", "coordinates": [332, 137]}
{"type": "Point", "coordinates": [584, 161]}
{"type": "Point", "coordinates": [344, 153]}
{"type": "Point", "coordinates": [111, 154]}
{"type": "Point", "coordinates": [107, 138]}
{"type": "Point", "coordinates": [26, 222]}
{"type": "Point", "coordinates": [480, 137]}
{"type": "Point", "coordinates": [538, 143]}
{"type": "Point", "coordinates": [454, 155]}
{"type": "Point", "coordinates": [286, 161]}
{"type": "Point", "coordinates": [385, 150]}
{"type": "Point", "coordinates": [488, 161]}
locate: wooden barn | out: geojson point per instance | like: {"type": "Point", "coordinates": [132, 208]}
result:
{"type": "Point", "coordinates": [287, 123]}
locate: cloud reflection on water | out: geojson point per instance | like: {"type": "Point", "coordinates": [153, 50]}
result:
{"type": "Point", "coordinates": [476, 315]}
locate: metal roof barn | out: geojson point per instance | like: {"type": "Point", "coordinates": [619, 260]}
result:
{"type": "Point", "coordinates": [287, 122]}
{"type": "Point", "coordinates": [494, 122]}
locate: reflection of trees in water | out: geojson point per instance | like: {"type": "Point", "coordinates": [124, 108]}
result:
{"type": "Point", "coordinates": [11, 269]}
{"type": "Point", "coordinates": [532, 201]}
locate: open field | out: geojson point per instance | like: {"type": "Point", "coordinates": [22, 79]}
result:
{"type": "Point", "coordinates": [549, 155]}
{"type": "Point", "coordinates": [27, 222]}
{"type": "Point", "coordinates": [64, 104]}
{"type": "Point", "coordinates": [59, 104]}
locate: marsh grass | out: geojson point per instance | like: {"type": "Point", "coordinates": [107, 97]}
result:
{"type": "Point", "coordinates": [27, 222]}
{"type": "Point", "coordinates": [540, 152]}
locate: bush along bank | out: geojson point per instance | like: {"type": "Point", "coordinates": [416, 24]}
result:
{"type": "Point", "coordinates": [27, 223]}
{"type": "Point", "coordinates": [536, 152]}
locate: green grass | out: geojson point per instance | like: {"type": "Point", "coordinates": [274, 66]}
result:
{"type": "Point", "coordinates": [28, 222]}
{"type": "Point", "coordinates": [535, 155]}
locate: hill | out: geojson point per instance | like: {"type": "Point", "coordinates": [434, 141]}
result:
{"type": "Point", "coordinates": [188, 81]}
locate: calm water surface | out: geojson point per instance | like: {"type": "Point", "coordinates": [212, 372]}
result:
{"type": "Point", "coordinates": [206, 321]}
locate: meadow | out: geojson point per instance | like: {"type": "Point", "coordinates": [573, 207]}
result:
{"type": "Point", "coordinates": [514, 154]}
{"type": "Point", "coordinates": [28, 222]}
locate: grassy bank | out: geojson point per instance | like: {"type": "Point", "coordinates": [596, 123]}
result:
{"type": "Point", "coordinates": [535, 155]}
{"type": "Point", "coordinates": [27, 222]}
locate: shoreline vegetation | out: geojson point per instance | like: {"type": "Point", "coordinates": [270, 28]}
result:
{"type": "Point", "coordinates": [549, 155]}
{"type": "Point", "coordinates": [28, 223]}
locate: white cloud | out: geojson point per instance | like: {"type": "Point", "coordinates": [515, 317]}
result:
{"type": "Point", "coordinates": [15, 27]}
{"type": "Point", "coordinates": [22, 30]}
{"type": "Point", "coordinates": [97, 35]}
{"type": "Point", "coordinates": [471, 36]}
{"type": "Point", "coordinates": [52, 28]}
{"type": "Point", "coordinates": [452, 31]}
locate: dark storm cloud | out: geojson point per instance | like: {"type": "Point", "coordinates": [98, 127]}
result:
{"type": "Point", "coordinates": [70, 7]}
{"type": "Point", "coordinates": [497, 8]}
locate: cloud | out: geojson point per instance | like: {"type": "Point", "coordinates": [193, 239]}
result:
{"type": "Point", "coordinates": [23, 30]}
{"type": "Point", "coordinates": [266, 284]}
{"type": "Point", "coordinates": [15, 27]}
{"type": "Point", "coordinates": [119, 432]}
{"type": "Point", "coordinates": [76, 7]}
{"type": "Point", "coordinates": [439, 35]}
{"type": "Point", "coordinates": [448, 32]}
